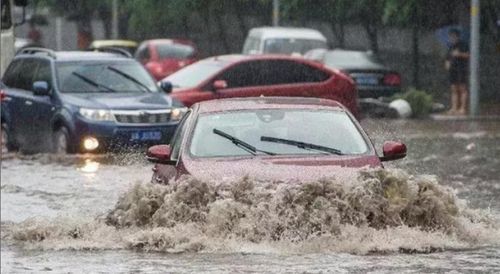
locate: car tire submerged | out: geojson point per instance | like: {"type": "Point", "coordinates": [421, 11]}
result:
{"type": "Point", "coordinates": [60, 141]}
{"type": "Point", "coordinates": [7, 146]}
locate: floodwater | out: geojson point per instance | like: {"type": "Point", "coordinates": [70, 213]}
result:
{"type": "Point", "coordinates": [438, 210]}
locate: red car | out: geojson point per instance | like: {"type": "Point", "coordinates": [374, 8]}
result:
{"type": "Point", "coordinates": [268, 138]}
{"type": "Point", "coordinates": [162, 57]}
{"type": "Point", "coordinates": [260, 75]}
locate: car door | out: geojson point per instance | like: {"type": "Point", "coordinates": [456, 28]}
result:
{"type": "Point", "coordinates": [20, 81]}
{"type": "Point", "coordinates": [43, 107]}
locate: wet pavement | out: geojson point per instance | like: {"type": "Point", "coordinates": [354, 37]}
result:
{"type": "Point", "coordinates": [54, 209]}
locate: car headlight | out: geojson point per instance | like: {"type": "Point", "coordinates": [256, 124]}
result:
{"type": "Point", "coordinates": [177, 113]}
{"type": "Point", "coordinates": [97, 114]}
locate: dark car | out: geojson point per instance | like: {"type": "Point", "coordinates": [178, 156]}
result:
{"type": "Point", "coordinates": [268, 138]}
{"type": "Point", "coordinates": [162, 57]}
{"type": "Point", "coordinates": [83, 102]}
{"type": "Point", "coordinates": [260, 75]}
{"type": "Point", "coordinates": [372, 78]}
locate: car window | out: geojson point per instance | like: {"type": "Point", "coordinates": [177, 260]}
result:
{"type": "Point", "coordinates": [193, 75]}
{"type": "Point", "coordinates": [251, 44]}
{"type": "Point", "coordinates": [81, 77]}
{"type": "Point", "coordinates": [44, 72]}
{"type": "Point", "coordinates": [179, 136]}
{"type": "Point", "coordinates": [245, 74]}
{"type": "Point", "coordinates": [295, 72]}
{"type": "Point", "coordinates": [26, 74]}
{"type": "Point", "coordinates": [271, 72]}
{"type": "Point", "coordinates": [333, 129]}
{"type": "Point", "coordinates": [176, 51]}
{"type": "Point", "coordinates": [12, 73]}
{"type": "Point", "coordinates": [142, 53]}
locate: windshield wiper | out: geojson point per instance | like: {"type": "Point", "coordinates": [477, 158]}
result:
{"type": "Point", "coordinates": [302, 145]}
{"type": "Point", "coordinates": [129, 77]}
{"type": "Point", "coordinates": [92, 82]}
{"type": "Point", "coordinates": [242, 144]}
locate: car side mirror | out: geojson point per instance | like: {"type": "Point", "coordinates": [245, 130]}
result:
{"type": "Point", "coordinates": [166, 86]}
{"type": "Point", "coordinates": [41, 88]}
{"type": "Point", "coordinates": [160, 154]}
{"type": "Point", "coordinates": [393, 151]}
{"type": "Point", "coordinates": [219, 84]}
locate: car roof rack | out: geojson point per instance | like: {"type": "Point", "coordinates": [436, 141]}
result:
{"type": "Point", "coordinates": [115, 50]}
{"type": "Point", "coordinates": [34, 50]}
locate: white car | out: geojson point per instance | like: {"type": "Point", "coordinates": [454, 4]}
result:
{"type": "Point", "coordinates": [281, 40]}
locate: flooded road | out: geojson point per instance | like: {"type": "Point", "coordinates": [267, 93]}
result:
{"type": "Point", "coordinates": [60, 214]}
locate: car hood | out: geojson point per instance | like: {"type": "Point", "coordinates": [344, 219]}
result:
{"type": "Point", "coordinates": [280, 168]}
{"type": "Point", "coordinates": [154, 100]}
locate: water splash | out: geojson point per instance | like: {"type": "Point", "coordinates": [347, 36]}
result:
{"type": "Point", "coordinates": [374, 211]}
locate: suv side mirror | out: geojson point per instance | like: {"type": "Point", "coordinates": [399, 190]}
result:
{"type": "Point", "coordinates": [219, 84]}
{"type": "Point", "coordinates": [393, 151]}
{"type": "Point", "coordinates": [41, 88]}
{"type": "Point", "coordinates": [160, 154]}
{"type": "Point", "coordinates": [166, 86]}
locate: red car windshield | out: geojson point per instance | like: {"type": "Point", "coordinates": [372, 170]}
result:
{"type": "Point", "coordinates": [195, 74]}
{"type": "Point", "coordinates": [322, 128]}
{"type": "Point", "coordinates": [175, 51]}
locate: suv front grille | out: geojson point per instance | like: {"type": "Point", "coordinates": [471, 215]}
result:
{"type": "Point", "coordinates": [142, 117]}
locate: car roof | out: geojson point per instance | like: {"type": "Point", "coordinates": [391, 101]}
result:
{"type": "Point", "coordinates": [234, 58]}
{"type": "Point", "coordinates": [110, 43]}
{"type": "Point", "coordinates": [232, 104]}
{"type": "Point", "coordinates": [170, 41]}
{"type": "Point", "coordinates": [284, 32]}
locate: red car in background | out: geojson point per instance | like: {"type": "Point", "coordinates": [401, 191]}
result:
{"type": "Point", "coordinates": [259, 75]}
{"type": "Point", "coordinates": [162, 57]}
{"type": "Point", "coordinates": [276, 138]}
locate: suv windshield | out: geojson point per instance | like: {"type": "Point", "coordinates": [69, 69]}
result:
{"type": "Point", "coordinates": [195, 74]}
{"type": "Point", "coordinates": [176, 51]}
{"type": "Point", "coordinates": [82, 77]}
{"type": "Point", "coordinates": [291, 45]}
{"type": "Point", "coordinates": [320, 131]}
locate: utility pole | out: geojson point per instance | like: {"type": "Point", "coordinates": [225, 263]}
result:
{"type": "Point", "coordinates": [474, 58]}
{"type": "Point", "coordinates": [114, 19]}
{"type": "Point", "coordinates": [276, 13]}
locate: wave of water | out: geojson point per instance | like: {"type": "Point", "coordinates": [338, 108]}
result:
{"type": "Point", "coordinates": [373, 211]}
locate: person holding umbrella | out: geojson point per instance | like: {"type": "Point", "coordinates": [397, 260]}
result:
{"type": "Point", "coordinates": [456, 64]}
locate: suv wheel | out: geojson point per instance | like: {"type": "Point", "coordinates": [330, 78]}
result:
{"type": "Point", "coordinates": [5, 137]}
{"type": "Point", "coordinates": [61, 141]}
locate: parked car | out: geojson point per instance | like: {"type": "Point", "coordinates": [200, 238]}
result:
{"type": "Point", "coordinates": [372, 78]}
{"type": "Point", "coordinates": [268, 138]}
{"type": "Point", "coordinates": [255, 75]}
{"type": "Point", "coordinates": [162, 57]}
{"type": "Point", "coordinates": [280, 40]}
{"type": "Point", "coordinates": [128, 45]}
{"type": "Point", "coordinates": [83, 101]}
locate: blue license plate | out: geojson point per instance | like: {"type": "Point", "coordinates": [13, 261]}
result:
{"type": "Point", "coordinates": [367, 80]}
{"type": "Point", "coordinates": [145, 136]}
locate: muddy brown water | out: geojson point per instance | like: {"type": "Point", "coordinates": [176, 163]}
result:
{"type": "Point", "coordinates": [438, 210]}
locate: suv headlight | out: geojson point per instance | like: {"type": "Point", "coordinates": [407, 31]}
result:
{"type": "Point", "coordinates": [177, 113]}
{"type": "Point", "coordinates": [97, 114]}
